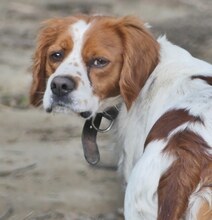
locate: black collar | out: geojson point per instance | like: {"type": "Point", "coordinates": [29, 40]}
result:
{"type": "Point", "coordinates": [90, 130]}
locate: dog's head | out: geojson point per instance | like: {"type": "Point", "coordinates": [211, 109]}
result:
{"type": "Point", "coordinates": [82, 61]}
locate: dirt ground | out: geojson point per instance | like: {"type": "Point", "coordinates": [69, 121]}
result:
{"type": "Point", "coordinates": [43, 174]}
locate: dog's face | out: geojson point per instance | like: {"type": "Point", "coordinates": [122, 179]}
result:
{"type": "Point", "coordinates": [81, 62]}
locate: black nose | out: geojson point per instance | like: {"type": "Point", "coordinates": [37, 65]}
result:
{"type": "Point", "coordinates": [62, 85]}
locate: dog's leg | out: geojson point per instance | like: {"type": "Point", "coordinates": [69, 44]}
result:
{"type": "Point", "coordinates": [141, 200]}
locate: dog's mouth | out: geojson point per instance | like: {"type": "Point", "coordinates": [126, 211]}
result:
{"type": "Point", "coordinates": [58, 108]}
{"type": "Point", "coordinates": [86, 114]}
{"type": "Point", "coordinates": [57, 105]}
{"type": "Point", "coordinates": [64, 108]}
{"type": "Point", "coordinates": [61, 106]}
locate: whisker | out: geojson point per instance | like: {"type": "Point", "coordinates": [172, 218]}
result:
{"type": "Point", "coordinates": [39, 92]}
{"type": "Point", "coordinates": [39, 102]}
{"type": "Point", "coordinates": [43, 78]}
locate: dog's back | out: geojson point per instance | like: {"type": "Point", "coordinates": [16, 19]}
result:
{"type": "Point", "coordinates": [167, 142]}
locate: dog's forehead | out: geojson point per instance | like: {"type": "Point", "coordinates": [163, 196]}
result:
{"type": "Point", "coordinates": [95, 29]}
{"type": "Point", "coordinates": [78, 30]}
{"type": "Point", "coordinates": [74, 64]}
{"type": "Point", "coordinates": [87, 42]}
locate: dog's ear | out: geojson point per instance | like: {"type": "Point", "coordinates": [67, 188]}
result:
{"type": "Point", "coordinates": [39, 75]}
{"type": "Point", "coordinates": [140, 57]}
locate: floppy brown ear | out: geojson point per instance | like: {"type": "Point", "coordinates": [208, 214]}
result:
{"type": "Point", "coordinates": [140, 57]}
{"type": "Point", "coordinates": [39, 71]}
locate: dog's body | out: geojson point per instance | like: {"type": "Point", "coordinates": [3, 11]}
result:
{"type": "Point", "coordinates": [170, 88]}
{"type": "Point", "coordinates": [165, 122]}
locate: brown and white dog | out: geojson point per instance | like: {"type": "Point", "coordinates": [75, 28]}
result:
{"type": "Point", "coordinates": [89, 63]}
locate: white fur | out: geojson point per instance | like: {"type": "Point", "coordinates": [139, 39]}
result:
{"type": "Point", "coordinates": [172, 88]}
{"type": "Point", "coordinates": [141, 199]}
{"type": "Point", "coordinates": [82, 98]}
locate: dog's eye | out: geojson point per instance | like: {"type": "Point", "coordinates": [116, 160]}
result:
{"type": "Point", "coordinates": [98, 62]}
{"type": "Point", "coordinates": [57, 56]}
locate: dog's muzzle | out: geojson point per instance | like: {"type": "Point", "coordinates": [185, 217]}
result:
{"type": "Point", "coordinates": [61, 86]}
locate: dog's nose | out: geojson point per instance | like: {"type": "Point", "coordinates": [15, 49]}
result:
{"type": "Point", "coordinates": [62, 85]}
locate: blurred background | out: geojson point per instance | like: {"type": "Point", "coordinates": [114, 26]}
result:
{"type": "Point", "coordinates": [43, 174]}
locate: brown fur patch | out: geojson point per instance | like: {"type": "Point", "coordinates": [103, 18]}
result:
{"type": "Point", "coordinates": [207, 79]}
{"type": "Point", "coordinates": [206, 176]}
{"type": "Point", "coordinates": [77, 80]}
{"type": "Point", "coordinates": [182, 178]}
{"type": "Point", "coordinates": [168, 122]}
{"type": "Point", "coordinates": [103, 41]}
{"type": "Point", "coordinates": [141, 56]}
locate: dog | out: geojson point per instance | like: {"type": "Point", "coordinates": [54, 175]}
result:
{"type": "Point", "coordinates": [163, 96]}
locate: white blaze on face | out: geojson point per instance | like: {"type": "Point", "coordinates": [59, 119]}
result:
{"type": "Point", "coordinates": [82, 98]}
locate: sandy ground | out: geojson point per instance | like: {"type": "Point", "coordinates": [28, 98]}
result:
{"type": "Point", "coordinates": [43, 174]}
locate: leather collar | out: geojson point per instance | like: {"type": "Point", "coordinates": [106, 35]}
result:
{"type": "Point", "coordinates": [90, 130]}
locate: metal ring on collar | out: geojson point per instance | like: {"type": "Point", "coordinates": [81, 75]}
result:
{"type": "Point", "coordinates": [105, 129]}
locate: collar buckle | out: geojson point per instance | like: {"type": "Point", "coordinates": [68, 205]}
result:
{"type": "Point", "coordinates": [110, 114]}
{"type": "Point", "coordinates": [103, 130]}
